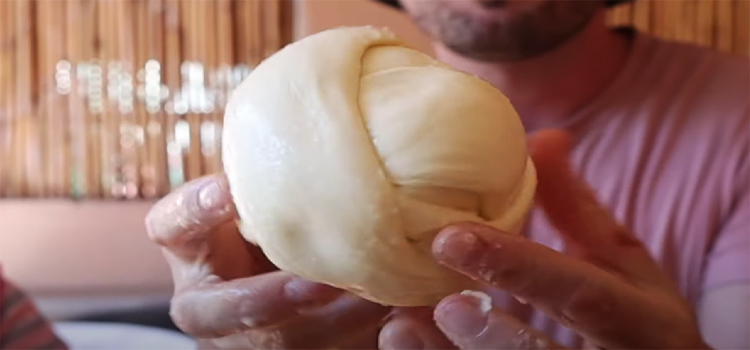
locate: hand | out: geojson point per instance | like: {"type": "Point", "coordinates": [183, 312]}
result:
{"type": "Point", "coordinates": [230, 296]}
{"type": "Point", "coordinates": [607, 288]}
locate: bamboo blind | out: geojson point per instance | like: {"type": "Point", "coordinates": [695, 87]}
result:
{"type": "Point", "coordinates": [721, 24]}
{"type": "Point", "coordinates": [123, 98]}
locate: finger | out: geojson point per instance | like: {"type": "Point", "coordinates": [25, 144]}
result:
{"type": "Point", "coordinates": [575, 293]}
{"type": "Point", "coordinates": [330, 325]}
{"type": "Point", "coordinates": [469, 320]}
{"type": "Point", "coordinates": [237, 258]}
{"type": "Point", "coordinates": [365, 339]}
{"type": "Point", "coordinates": [214, 308]}
{"type": "Point", "coordinates": [573, 209]}
{"type": "Point", "coordinates": [568, 202]}
{"type": "Point", "coordinates": [194, 221]}
{"type": "Point", "coordinates": [278, 340]}
{"type": "Point", "coordinates": [413, 329]}
{"type": "Point", "coordinates": [588, 345]}
{"type": "Point", "coordinates": [347, 323]}
{"type": "Point", "coordinates": [182, 220]}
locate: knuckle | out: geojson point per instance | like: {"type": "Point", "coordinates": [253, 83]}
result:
{"type": "Point", "coordinates": [164, 217]}
{"type": "Point", "coordinates": [398, 334]}
{"type": "Point", "coordinates": [508, 273]}
{"type": "Point", "coordinates": [182, 318]}
{"type": "Point", "coordinates": [527, 339]}
{"type": "Point", "coordinates": [152, 223]}
{"type": "Point", "coordinates": [175, 217]}
{"type": "Point", "coordinates": [587, 300]}
{"type": "Point", "coordinates": [272, 340]}
{"type": "Point", "coordinates": [189, 317]}
{"type": "Point", "coordinates": [506, 269]}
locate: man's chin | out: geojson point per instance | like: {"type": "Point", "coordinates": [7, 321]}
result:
{"type": "Point", "coordinates": [493, 56]}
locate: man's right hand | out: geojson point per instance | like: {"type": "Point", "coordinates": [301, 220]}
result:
{"type": "Point", "coordinates": [229, 296]}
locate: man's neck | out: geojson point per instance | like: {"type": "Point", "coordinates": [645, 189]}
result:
{"type": "Point", "coordinates": [548, 89]}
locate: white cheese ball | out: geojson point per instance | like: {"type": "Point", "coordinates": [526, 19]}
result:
{"type": "Point", "coordinates": [347, 152]}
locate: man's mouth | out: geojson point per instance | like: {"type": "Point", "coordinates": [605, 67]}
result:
{"type": "Point", "coordinates": [493, 4]}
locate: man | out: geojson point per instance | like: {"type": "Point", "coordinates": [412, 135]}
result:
{"type": "Point", "coordinates": [658, 129]}
{"type": "Point", "coordinates": [661, 132]}
{"type": "Point", "coordinates": [22, 326]}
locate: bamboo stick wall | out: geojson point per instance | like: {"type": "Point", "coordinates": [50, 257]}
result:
{"type": "Point", "coordinates": [122, 99]}
{"type": "Point", "coordinates": [721, 24]}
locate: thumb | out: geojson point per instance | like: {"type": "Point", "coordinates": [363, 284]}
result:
{"type": "Point", "coordinates": [550, 146]}
{"type": "Point", "coordinates": [569, 203]}
{"type": "Point", "coordinates": [572, 208]}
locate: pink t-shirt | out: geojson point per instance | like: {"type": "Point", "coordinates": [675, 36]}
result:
{"type": "Point", "coordinates": [667, 147]}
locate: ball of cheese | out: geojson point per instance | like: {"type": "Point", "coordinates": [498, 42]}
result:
{"type": "Point", "coordinates": [347, 152]}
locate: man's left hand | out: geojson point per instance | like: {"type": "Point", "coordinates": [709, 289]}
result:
{"type": "Point", "coordinates": [606, 287]}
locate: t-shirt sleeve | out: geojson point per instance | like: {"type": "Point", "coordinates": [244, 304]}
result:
{"type": "Point", "coordinates": [728, 262]}
{"type": "Point", "coordinates": [22, 326]}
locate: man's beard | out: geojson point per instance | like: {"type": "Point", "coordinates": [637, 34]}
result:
{"type": "Point", "coordinates": [526, 35]}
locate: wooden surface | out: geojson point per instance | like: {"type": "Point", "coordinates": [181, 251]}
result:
{"type": "Point", "coordinates": [721, 24]}
{"type": "Point", "coordinates": [122, 99]}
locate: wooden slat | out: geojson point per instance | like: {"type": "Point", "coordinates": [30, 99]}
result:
{"type": "Point", "coordinates": [44, 72]}
{"type": "Point", "coordinates": [673, 15]}
{"type": "Point", "coordinates": [724, 23]}
{"type": "Point", "coordinates": [152, 36]}
{"type": "Point", "coordinates": [143, 30]}
{"type": "Point", "coordinates": [14, 168]}
{"type": "Point", "coordinates": [6, 78]}
{"type": "Point", "coordinates": [158, 119]}
{"type": "Point", "coordinates": [286, 25]}
{"type": "Point", "coordinates": [688, 21]}
{"type": "Point", "coordinates": [94, 93]}
{"type": "Point", "coordinates": [704, 23]}
{"type": "Point", "coordinates": [75, 43]}
{"type": "Point", "coordinates": [30, 170]}
{"type": "Point", "coordinates": [271, 19]}
{"type": "Point", "coordinates": [51, 52]}
{"type": "Point", "coordinates": [642, 15]}
{"type": "Point", "coordinates": [109, 118]}
{"type": "Point", "coordinates": [742, 27]}
{"type": "Point", "coordinates": [225, 50]}
{"type": "Point", "coordinates": [621, 15]}
{"type": "Point", "coordinates": [248, 23]}
{"type": "Point", "coordinates": [207, 135]}
{"type": "Point", "coordinates": [127, 139]}
{"type": "Point", "coordinates": [173, 56]}
{"type": "Point", "coordinates": [193, 13]}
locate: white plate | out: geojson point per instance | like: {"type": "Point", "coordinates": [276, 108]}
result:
{"type": "Point", "coordinates": [120, 336]}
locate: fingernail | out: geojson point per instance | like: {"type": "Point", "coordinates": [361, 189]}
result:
{"type": "Point", "coordinates": [464, 315]}
{"type": "Point", "coordinates": [308, 293]}
{"type": "Point", "coordinates": [212, 195]}
{"type": "Point", "coordinates": [459, 247]}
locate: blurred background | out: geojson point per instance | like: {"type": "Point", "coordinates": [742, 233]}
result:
{"type": "Point", "coordinates": [107, 105]}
